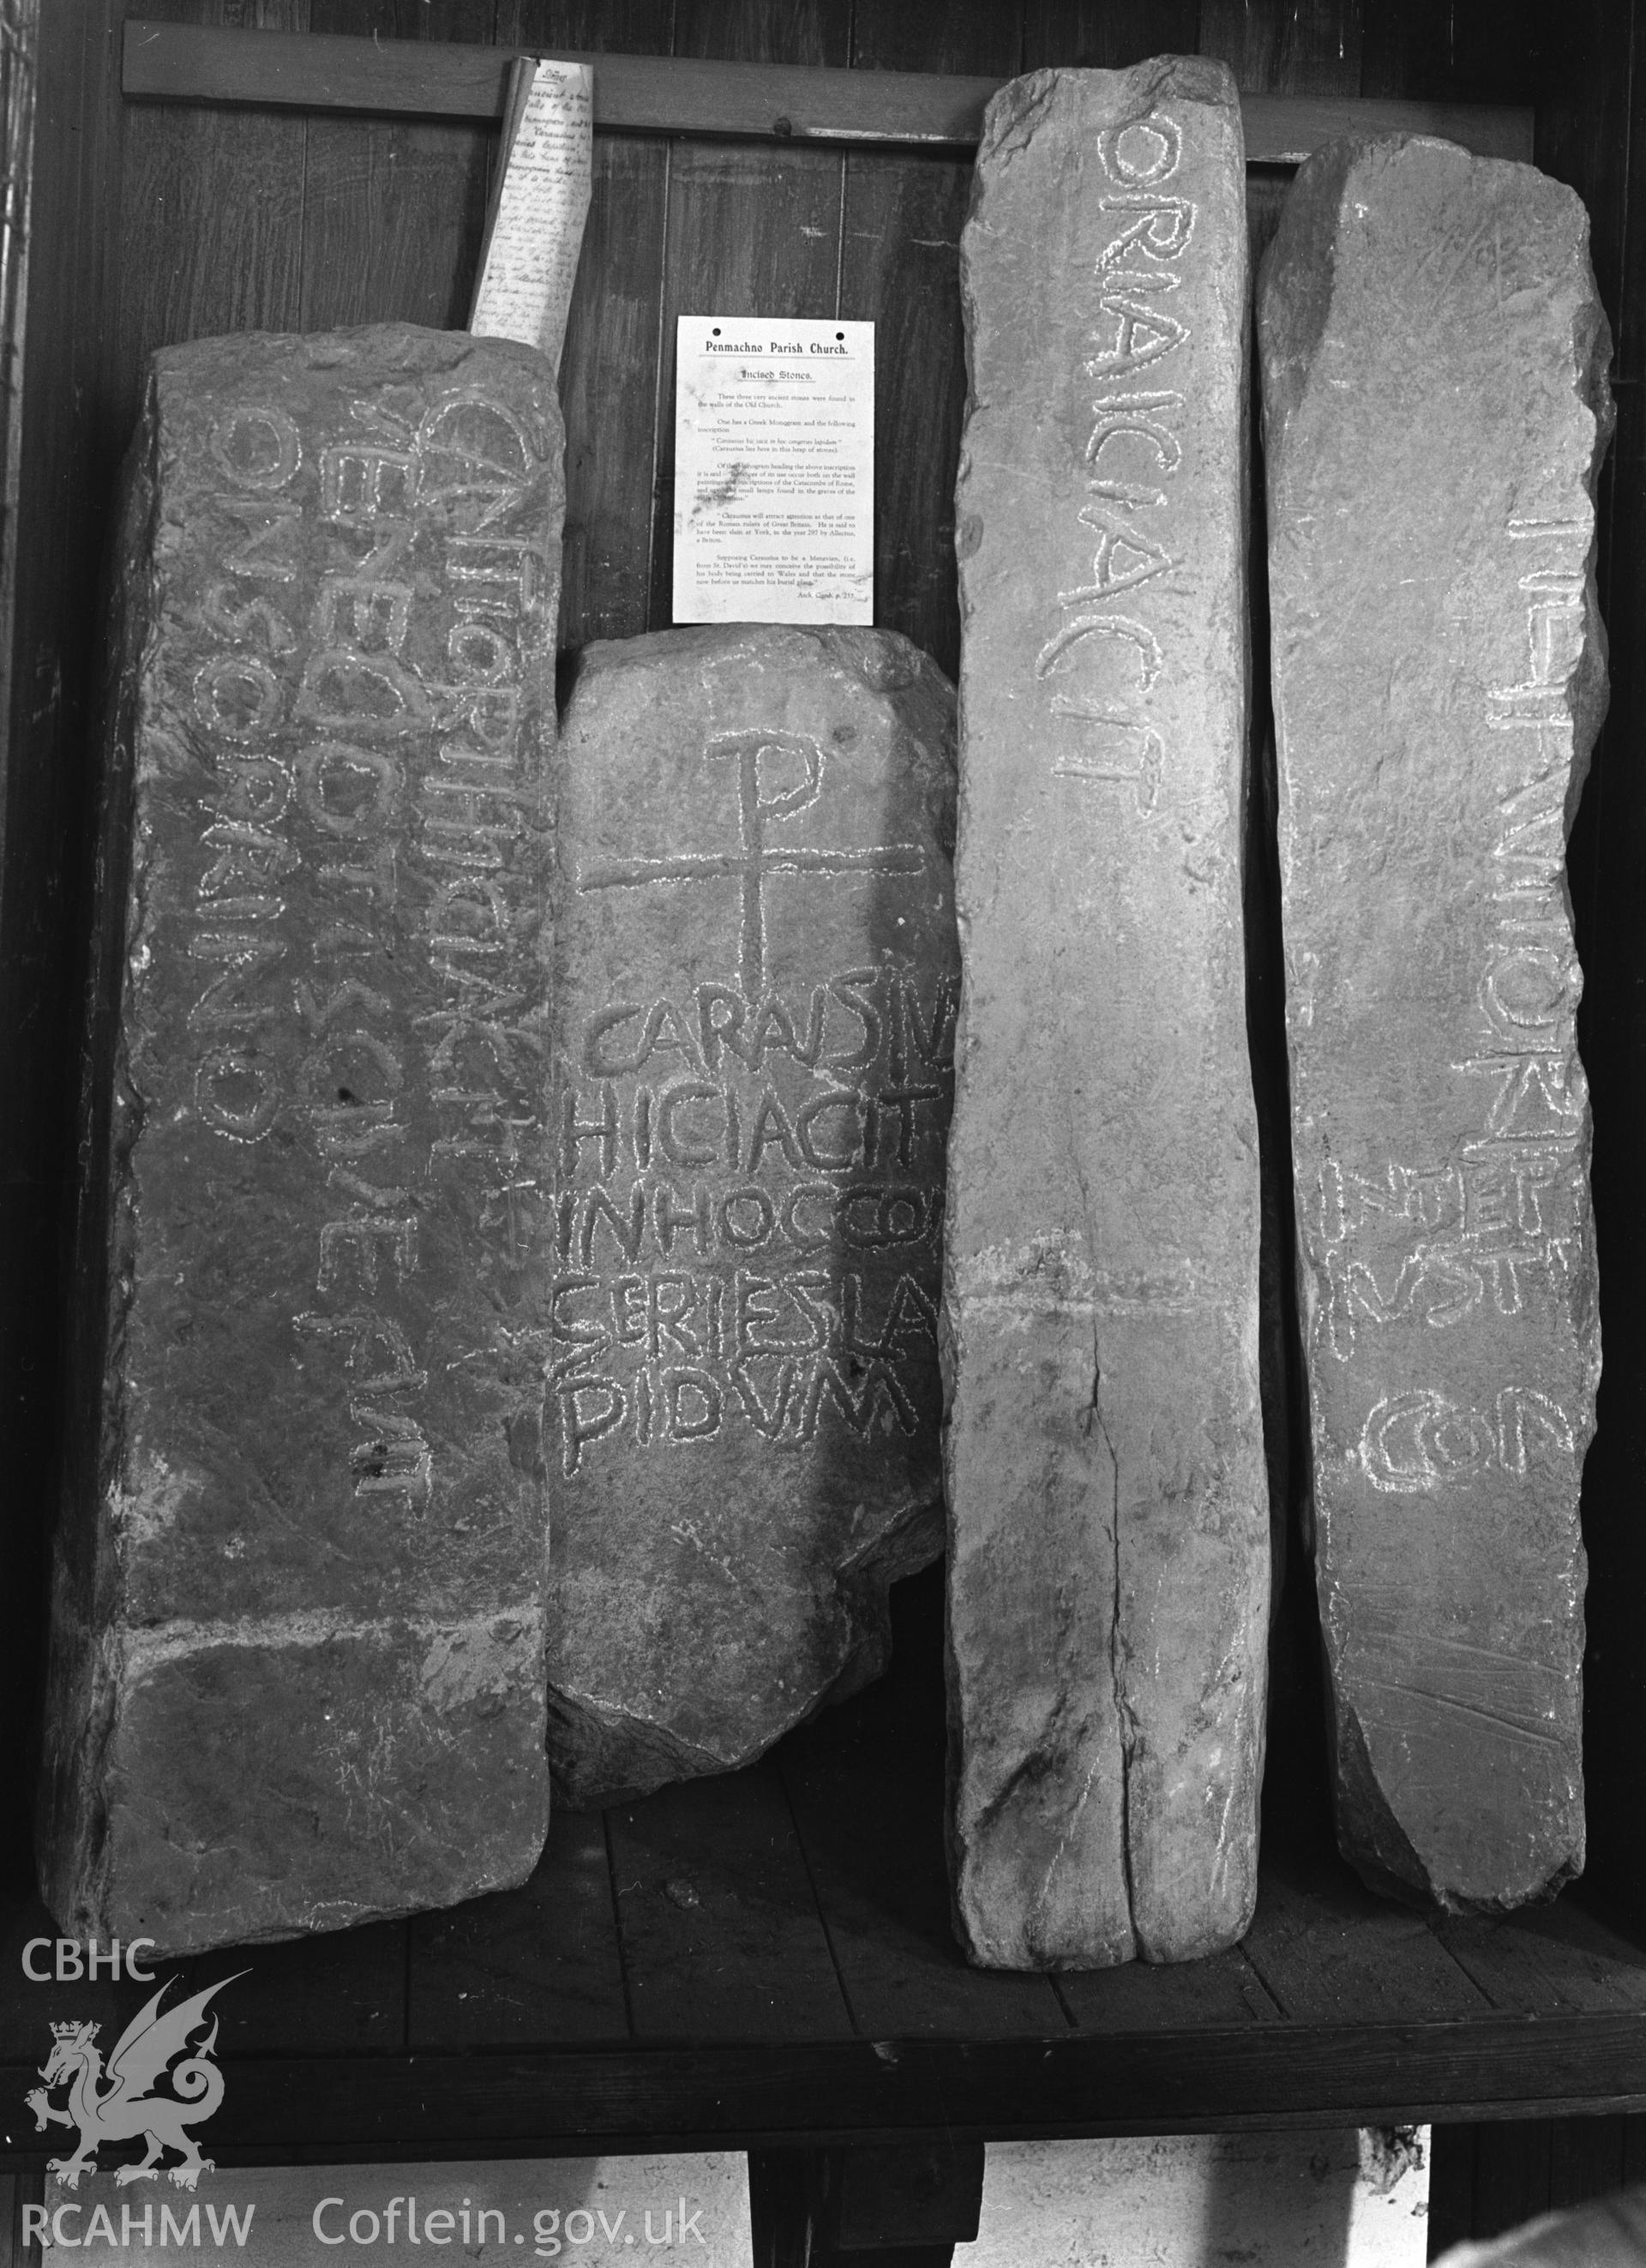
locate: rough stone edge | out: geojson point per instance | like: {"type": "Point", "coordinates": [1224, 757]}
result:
{"type": "Point", "coordinates": [87, 1652]}
{"type": "Point", "coordinates": [1008, 119]}
{"type": "Point", "coordinates": [1376, 1845]}
{"type": "Point", "coordinates": [631, 1756]}
{"type": "Point", "coordinates": [81, 1693]}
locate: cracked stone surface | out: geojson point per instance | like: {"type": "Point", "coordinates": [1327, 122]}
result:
{"type": "Point", "coordinates": [755, 979]}
{"type": "Point", "coordinates": [297, 1672]}
{"type": "Point", "coordinates": [1109, 1523]}
{"type": "Point", "coordinates": [1436, 407]}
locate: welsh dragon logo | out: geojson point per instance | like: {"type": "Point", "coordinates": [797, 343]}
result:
{"type": "Point", "coordinates": [116, 2104]}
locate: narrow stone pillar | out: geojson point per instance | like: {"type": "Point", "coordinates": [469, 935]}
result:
{"type": "Point", "coordinates": [1109, 1520]}
{"type": "Point", "coordinates": [755, 979]}
{"type": "Point", "coordinates": [296, 1654]}
{"type": "Point", "coordinates": [1435, 409]}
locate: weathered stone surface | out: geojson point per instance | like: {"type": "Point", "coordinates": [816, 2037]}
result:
{"type": "Point", "coordinates": [297, 1670]}
{"type": "Point", "coordinates": [754, 1009]}
{"type": "Point", "coordinates": [1434, 407]}
{"type": "Point", "coordinates": [1109, 1542]}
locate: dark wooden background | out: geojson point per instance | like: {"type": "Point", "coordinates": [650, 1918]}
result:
{"type": "Point", "coordinates": [154, 224]}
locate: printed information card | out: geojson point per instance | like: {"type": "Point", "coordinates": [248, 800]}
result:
{"type": "Point", "coordinates": [774, 471]}
{"type": "Point", "coordinates": [539, 203]}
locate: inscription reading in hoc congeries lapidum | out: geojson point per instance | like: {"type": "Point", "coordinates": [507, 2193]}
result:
{"type": "Point", "coordinates": [749, 1210]}
{"type": "Point", "coordinates": [750, 1170]}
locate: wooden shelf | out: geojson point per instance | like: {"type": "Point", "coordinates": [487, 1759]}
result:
{"type": "Point", "coordinates": [666, 94]}
{"type": "Point", "coordinates": [767, 1958]}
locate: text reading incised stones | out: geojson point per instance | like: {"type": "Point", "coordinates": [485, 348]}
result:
{"type": "Point", "coordinates": [1109, 1545]}
{"type": "Point", "coordinates": [753, 1066]}
{"type": "Point", "coordinates": [328, 1152]}
{"type": "Point", "coordinates": [1432, 738]}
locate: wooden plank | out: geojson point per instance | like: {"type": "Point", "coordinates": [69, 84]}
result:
{"type": "Point", "coordinates": [1585, 2160]}
{"type": "Point", "coordinates": [866, 1781]}
{"type": "Point", "coordinates": [1223, 1989]}
{"type": "Point", "coordinates": [801, 33]}
{"type": "Point", "coordinates": [28, 2009]}
{"type": "Point", "coordinates": [423, 2105]}
{"type": "Point", "coordinates": [1588, 112]}
{"type": "Point", "coordinates": [392, 223]}
{"type": "Point", "coordinates": [935, 37]}
{"type": "Point", "coordinates": [1546, 1959]}
{"type": "Point", "coordinates": [212, 208]}
{"type": "Point", "coordinates": [744, 236]}
{"type": "Point", "coordinates": [1107, 35]}
{"type": "Point", "coordinates": [62, 473]}
{"type": "Point", "coordinates": [608, 385]}
{"type": "Point", "coordinates": [392, 211]}
{"type": "Point", "coordinates": [540, 1964]}
{"type": "Point", "coordinates": [720, 1928]}
{"type": "Point", "coordinates": [901, 2194]}
{"type": "Point", "coordinates": [342, 1993]}
{"type": "Point", "coordinates": [899, 269]}
{"type": "Point", "coordinates": [680, 95]}
{"type": "Point", "coordinates": [1511, 2175]}
{"type": "Point", "coordinates": [783, 2195]}
{"type": "Point", "coordinates": [1634, 2150]}
{"type": "Point", "coordinates": [602, 26]}
{"type": "Point", "coordinates": [19, 61]}
{"type": "Point", "coordinates": [1450, 2185]}
{"type": "Point", "coordinates": [1608, 852]}
{"type": "Point", "coordinates": [609, 368]}
{"type": "Point", "coordinates": [749, 233]}
{"type": "Point", "coordinates": [1324, 1947]}
{"type": "Point", "coordinates": [26, 2187]}
{"type": "Point", "coordinates": [1309, 50]}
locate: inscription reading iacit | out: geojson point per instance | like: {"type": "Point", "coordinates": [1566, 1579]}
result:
{"type": "Point", "coordinates": [1133, 450]}
{"type": "Point", "coordinates": [749, 1182]}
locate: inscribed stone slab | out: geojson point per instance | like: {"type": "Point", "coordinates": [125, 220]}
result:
{"type": "Point", "coordinates": [754, 995]}
{"type": "Point", "coordinates": [297, 1672]}
{"type": "Point", "coordinates": [1109, 1542]}
{"type": "Point", "coordinates": [1436, 406]}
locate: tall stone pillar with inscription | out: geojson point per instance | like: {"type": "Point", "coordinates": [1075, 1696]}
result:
{"type": "Point", "coordinates": [1436, 407]}
{"type": "Point", "coordinates": [755, 979]}
{"type": "Point", "coordinates": [1109, 1524]}
{"type": "Point", "coordinates": [296, 1659]}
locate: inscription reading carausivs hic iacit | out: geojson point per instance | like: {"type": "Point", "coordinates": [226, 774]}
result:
{"type": "Point", "coordinates": [749, 1177]}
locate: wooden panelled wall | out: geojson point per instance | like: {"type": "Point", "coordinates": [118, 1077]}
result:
{"type": "Point", "coordinates": [154, 224]}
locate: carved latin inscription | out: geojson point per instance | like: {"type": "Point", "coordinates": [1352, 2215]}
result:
{"type": "Point", "coordinates": [331, 1156]}
{"type": "Point", "coordinates": [1134, 457]}
{"type": "Point", "coordinates": [753, 1066]}
{"type": "Point", "coordinates": [1109, 1547]}
{"type": "Point", "coordinates": [1434, 715]}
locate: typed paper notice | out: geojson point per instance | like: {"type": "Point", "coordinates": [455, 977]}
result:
{"type": "Point", "coordinates": [535, 229]}
{"type": "Point", "coordinates": [774, 471]}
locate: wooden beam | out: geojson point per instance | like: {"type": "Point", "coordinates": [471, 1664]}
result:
{"type": "Point", "coordinates": [661, 94]}
{"type": "Point", "coordinates": [846, 2093]}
